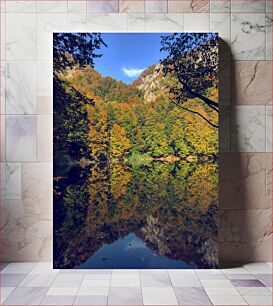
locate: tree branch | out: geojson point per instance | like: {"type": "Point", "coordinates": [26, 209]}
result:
{"type": "Point", "coordinates": [209, 102]}
{"type": "Point", "coordinates": [194, 112]}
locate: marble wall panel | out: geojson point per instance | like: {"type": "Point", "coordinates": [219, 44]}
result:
{"type": "Point", "coordinates": [131, 6]}
{"type": "Point", "coordinates": [157, 6]}
{"type": "Point", "coordinates": [252, 83]}
{"type": "Point", "coordinates": [248, 36]}
{"type": "Point", "coordinates": [248, 129]}
{"type": "Point", "coordinates": [245, 29]}
{"type": "Point", "coordinates": [21, 36]}
{"type": "Point", "coordinates": [21, 138]}
{"type": "Point", "coordinates": [188, 6]}
{"type": "Point", "coordinates": [102, 6]}
{"type": "Point", "coordinates": [20, 93]}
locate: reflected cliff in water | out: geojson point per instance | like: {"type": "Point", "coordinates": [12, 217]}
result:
{"type": "Point", "coordinates": [146, 214]}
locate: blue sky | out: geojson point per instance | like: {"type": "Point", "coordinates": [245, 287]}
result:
{"type": "Point", "coordinates": [128, 54]}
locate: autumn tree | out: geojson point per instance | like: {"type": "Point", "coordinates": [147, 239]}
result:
{"type": "Point", "coordinates": [192, 61]}
{"type": "Point", "coordinates": [120, 144]}
{"type": "Point", "coordinates": [98, 132]}
{"type": "Point", "coordinates": [70, 115]}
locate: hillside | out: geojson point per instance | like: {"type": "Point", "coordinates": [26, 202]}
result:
{"type": "Point", "coordinates": [138, 119]}
{"type": "Point", "coordinates": [152, 83]}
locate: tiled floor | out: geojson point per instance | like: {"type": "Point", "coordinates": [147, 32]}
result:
{"type": "Point", "coordinates": [39, 284]}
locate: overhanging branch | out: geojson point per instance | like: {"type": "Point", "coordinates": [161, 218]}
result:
{"type": "Point", "coordinates": [195, 112]}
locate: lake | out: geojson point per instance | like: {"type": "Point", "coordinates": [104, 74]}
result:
{"type": "Point", "coordinates": [138, 214]}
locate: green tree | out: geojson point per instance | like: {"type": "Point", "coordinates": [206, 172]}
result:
{"type": "Point", "coordinates": [157, 142]}
{"type": "Point", "coordinates": [181, 145]}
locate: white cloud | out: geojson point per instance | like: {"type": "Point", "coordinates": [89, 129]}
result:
{"type": "Point", "coordinates": [131, 73]}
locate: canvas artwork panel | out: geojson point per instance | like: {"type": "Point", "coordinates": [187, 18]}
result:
{"type": "Point", "coordinates": [135, 150]}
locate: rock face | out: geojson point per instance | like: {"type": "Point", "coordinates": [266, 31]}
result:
{"type": "Point", "coordinates": [152, 83]}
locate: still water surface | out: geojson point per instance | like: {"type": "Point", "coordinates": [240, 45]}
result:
{"type": "Point", "coordinates": [152, 214]}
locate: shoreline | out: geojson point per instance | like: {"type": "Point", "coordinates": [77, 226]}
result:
{"type": "Point", "coordinates": [170, 159]}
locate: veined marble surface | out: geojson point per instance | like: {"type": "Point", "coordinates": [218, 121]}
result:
{"type": "Point", "coordinates": [250, 6]}
{"type": "Point", "coordinates": [103, 6]}
{"type": "Point", "coordinates": [20, 92]}
{"type": "Point", "coordinates": [248, 129]}
{"type": "Point", "coordinates": [248, 36]}
{"type": "Point", "coordinates": [21, 36]}
{"type": "Point", "coordinates": [20, 138]}
{"type": "Point", "coordinates": [220, 6]}
{"type": "Point", "coordinates": [47, 23]}
{"type": "Point", "coordinates": [245, 29]}
{"type": "Point", "coordinates": [268, 23]}
{"type": "Point", "coordinates": [188, 6]}
{"type": "Point", "coordinates": [252, 83]}
{"type": "Point", "coordinates": [12, 175]}
{"type": "Point", "coordinates": [268, 128]}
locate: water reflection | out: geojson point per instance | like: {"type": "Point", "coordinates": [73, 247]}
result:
{"type": "Point", "coordinates": [152, 214]}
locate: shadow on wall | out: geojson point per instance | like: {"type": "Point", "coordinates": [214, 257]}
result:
{"type": "Point", "coordinates": [241, 238]}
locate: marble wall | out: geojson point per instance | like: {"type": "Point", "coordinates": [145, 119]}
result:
{"type": "Point", "coordinates": [245, 28]}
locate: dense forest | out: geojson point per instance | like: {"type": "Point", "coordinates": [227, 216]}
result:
{"type": "Point", "coordinates": [120, 121]}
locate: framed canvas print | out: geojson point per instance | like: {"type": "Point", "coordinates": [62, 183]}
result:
{"type": "Point", "coordinates": [135, 150]}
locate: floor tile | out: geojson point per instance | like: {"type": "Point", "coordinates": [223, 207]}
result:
{"type": "Point", "coordinates": [125, 296]}
{"type": "Point", "coordinates": [185, 281]}
{"type": "Point", "coordinates": [125, 271]}
{"type": "Point", "coordinates": [156, 271]}
{"type": "Point", "coordinates": [246, 283]}
{"type": "Point", "coordinates": [179, 272]}
{"type": "Point", "coordinates": [235, 271]}
{"type": "Point", "coordinates": [221, 291]}
{"type": "Point", "coordinates": [192, 296]}
{"type": "Point", "coordinates": [97, 276]}
{"type": "Point", "coordinates": [67, 280]}
{"type": "Point", "coordinates": [125, 280]}
{"type": "Point", "coordinates": [208, 271]}
{"type": "Point", "coordinates": [254, 291]}
{"type": "Point", "coordinates": [96, 283]}
{"type": "Point", "coordinates": [58, 300]}
{"type": "Point", "coordinates": [258, 299]}
{"type": "Point", "coordinates": [227, 300]}
{"type": "Point", "coordinates": [93, 291]}
{"type": "Point", "coordinates": [98, 271]}
{"type": "Point", "coordinates": [62, 291]}
{"type": "Point", "coordinates": [3, 265]}
{"type": "Point", "coordinates": [90, 300]}
{"type": "Point", "coordinates": [44, 267]}
{"type": "Point", "coordinates": [20, 267]}
{"type": "Point", "coordinates": [258, 268]}
{"type": "Point", "coordinates": [11, 280]}
{"type": "Point", "coordinates": [5, 292]}
{"type": "Point", "coordinates": [159, 296]}
{"type": "Point", "coordinates": [37, 280]}
{"type": "Point", "coordinates": [216, 283]}
{"type": "Point", "coordinates": [74, 271]}
{"type": "Point", "coordinates": [210, 276]}
{"type": "Point", "coordinates": [155, 280]}
{"type": "Point", "coordinates": [26, 296]}
{"type": "Point", "coordinates": [240, 276]}
{"type": "Point", "coordinates": [266, 279]}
